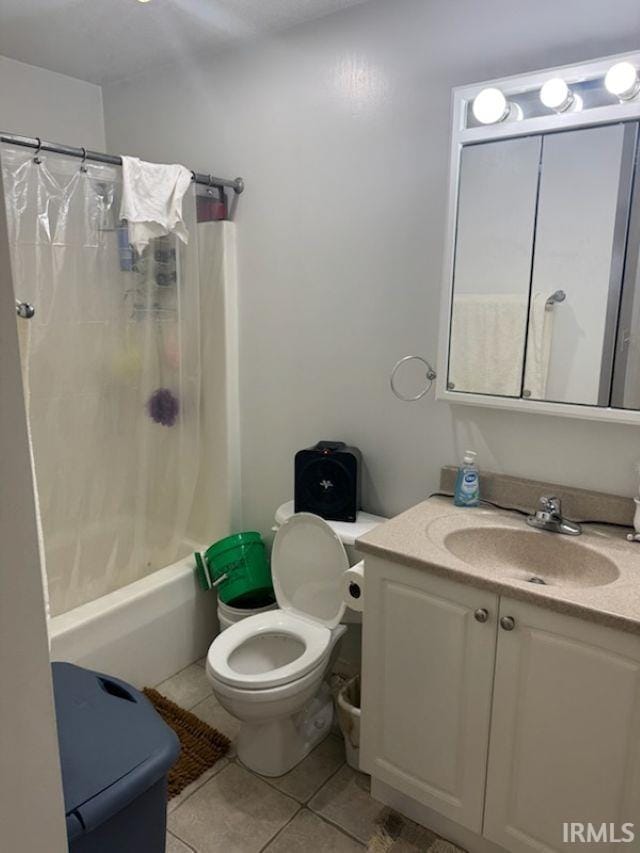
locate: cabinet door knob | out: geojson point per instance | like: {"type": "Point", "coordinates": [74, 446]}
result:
{"type": "Point", "coordinates": [481, 615]}
{"type": "Point", "coordinates": [507, 623]}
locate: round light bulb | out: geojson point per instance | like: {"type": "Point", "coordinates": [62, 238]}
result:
{"type": "Point", "coordinates": [556, 95]}
{"type": "Point", "coordinates": [490, 106]}
{"type": "Point", "coordinates": [622, 81]}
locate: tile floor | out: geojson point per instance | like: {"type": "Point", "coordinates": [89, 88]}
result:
{"type": "Point", "coordinates": [321, 806]}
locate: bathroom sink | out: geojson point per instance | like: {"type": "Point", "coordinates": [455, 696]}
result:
{"type": "Point", "coordinates": [537, 557]}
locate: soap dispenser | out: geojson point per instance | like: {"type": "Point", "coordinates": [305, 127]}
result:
{"type": "Point", "coordinates": [467, 491]}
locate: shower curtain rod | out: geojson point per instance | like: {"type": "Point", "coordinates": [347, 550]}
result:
{"type": "Point", "coordinates": [237, 184]}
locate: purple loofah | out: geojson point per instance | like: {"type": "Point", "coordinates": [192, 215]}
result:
{"type": "Point", "coordinates": [163, 407]}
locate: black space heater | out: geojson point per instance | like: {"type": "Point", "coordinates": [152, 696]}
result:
{"type": "Point", "coordinates": [327, 481]}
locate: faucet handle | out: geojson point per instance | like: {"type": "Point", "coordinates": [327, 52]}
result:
{"type": "Point", "coordinates": [551, 504]}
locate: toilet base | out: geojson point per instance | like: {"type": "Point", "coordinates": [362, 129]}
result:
{"type": "Point", "coordinates": [274, 747]}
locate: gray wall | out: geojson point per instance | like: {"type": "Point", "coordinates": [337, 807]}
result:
{"type": "Point", "coordinates": [36, 102]}
{"type": "Point", "coordinates": [33, 102]}
{"type": "Point", "coordinates": [340, 128]}
{"type": "Point", "coordinates": [31, 800]}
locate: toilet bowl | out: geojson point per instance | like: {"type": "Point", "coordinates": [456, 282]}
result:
{"type": "Point", "coordinates": [268, 670]}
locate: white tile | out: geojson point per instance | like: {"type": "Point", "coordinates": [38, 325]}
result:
{"type": "Point", "coordinates": [235, 812]}
{"type": "Point", "coordinates": [211, 712]}
{"type": "Point", "coordinates": [187, 687]}
{"type": "Point", "coordinates": [308, 777]}
{"type": "Point", "coordinates": [308, 833]}
{"type": "Point", "coordinates": [345, 801]}
{"type": "Point", "coordinates": [174, 845]}
{"type": "Point", "coordinates": [174, 802]}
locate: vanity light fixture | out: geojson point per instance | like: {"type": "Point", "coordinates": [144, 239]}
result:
{"type": "Point", "coordinates": [490, 106]}
{"type": "Point", "coordinates": [622, 81]}
{"type": "Point", "coordinates": [557, 96]}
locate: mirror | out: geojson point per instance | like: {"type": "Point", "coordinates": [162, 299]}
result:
{"type": "Point", "coordinates": [583, 204]}
{"type": "Point", "coordinates": [496, 221]}
{"type": "Point", "coordinates": [625, 393]}
{"type": "Point", "coordinates": [540, 244]}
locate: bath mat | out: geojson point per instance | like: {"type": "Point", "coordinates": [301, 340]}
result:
{"type": "Point", "coordinates": [201, 746]}
{"type": "Point", "coordinates": [397, 834]}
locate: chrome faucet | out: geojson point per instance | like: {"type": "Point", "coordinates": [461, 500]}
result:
{"type": "Point", "coordinates": [550, 518]}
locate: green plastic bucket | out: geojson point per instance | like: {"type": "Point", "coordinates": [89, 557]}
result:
{"type": "Point", "coordinates": [238, 567]}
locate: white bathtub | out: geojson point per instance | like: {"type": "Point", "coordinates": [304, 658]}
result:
{"type": "Point", "coordinates": [145, 631]}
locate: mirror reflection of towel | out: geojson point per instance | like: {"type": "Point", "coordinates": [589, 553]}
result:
{"type": "Point", "coordinates": [487, 343]}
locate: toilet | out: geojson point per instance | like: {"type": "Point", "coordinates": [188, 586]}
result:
{"type": "Point", "coordinates": [269, 670]}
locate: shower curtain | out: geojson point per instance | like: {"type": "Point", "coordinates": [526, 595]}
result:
{"type": "Point", "coordinates": [112, 375]}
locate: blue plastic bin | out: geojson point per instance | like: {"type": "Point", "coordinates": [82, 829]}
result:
{"type": "Point", "coordinates": [115, 752]}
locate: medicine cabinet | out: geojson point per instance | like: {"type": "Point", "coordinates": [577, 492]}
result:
{"type": "Point", "coordinates": [541, 308]}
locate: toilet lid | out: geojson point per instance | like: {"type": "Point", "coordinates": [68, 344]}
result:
{"type": "Point", "coordinates": [307, 563]}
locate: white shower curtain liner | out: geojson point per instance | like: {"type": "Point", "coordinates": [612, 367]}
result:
{"type": "Point", "coordinates": [112, 375]}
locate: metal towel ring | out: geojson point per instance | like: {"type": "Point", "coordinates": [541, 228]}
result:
{"type": "Point", "coordinates": [431, 375]}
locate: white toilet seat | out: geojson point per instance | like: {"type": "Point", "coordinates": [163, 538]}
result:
{"type": "Point", "coordinates": [313, 639]}
{"type": "Point", "coordinates": [266, 696]}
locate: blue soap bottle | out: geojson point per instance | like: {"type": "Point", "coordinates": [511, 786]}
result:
{"type": "Point", "coordinates": [467, 491]}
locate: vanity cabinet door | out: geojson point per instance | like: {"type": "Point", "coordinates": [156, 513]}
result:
{"type": "Point", "coordinates": [565, 730]}
{"type": "Point", "coordinates": [427, 679]}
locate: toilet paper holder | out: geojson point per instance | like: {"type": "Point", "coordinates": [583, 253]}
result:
{"type": "Point", "coordinates": [353, 588]}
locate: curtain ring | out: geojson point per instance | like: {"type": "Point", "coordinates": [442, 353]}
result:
{"type": "Point", "coordinates": [37, 160]}
{"type": "Point", "coordinates": [83, 165]}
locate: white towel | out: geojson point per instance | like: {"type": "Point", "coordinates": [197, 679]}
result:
{"type": "Point", "coordinates": [487, 343]}
{"type": "Point", "coordinates": [152, 196]}
{"type": "Point", "coordinates": [538, 346]}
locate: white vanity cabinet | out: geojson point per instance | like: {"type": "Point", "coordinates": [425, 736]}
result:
{"type": "Point", "coordinates": [565, 730]}
{"type": "Point", "coordinates": [507, 729]}
{"type": "Point", "coordinates": [427, 682]}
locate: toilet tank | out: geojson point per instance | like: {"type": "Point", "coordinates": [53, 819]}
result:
{"type": "Point", "coordinates": [346, 531]}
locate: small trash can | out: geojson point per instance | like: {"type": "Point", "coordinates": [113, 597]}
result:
{"type": "Point", "coordinates": [348, 708]}
{"type": "Point", "coordinates": [115, 753]}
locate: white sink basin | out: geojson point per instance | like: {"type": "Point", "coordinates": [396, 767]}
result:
{"type": "Point", "coordinates": [534, 556]}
